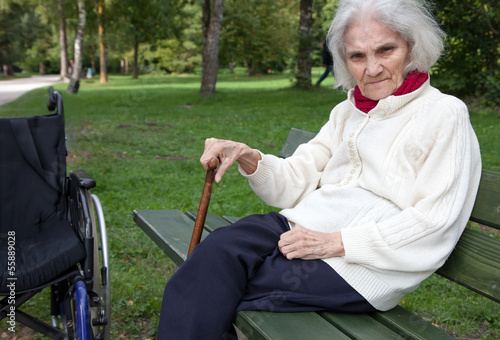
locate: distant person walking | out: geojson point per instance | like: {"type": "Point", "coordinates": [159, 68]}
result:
{"type": "Point", "coordinates": [327, 63]}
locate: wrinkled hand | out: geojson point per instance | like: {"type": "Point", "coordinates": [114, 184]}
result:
{"type": "Point", "coordinates": [309, 244]}
{"type": "Point", "coordinates": [229, 152]}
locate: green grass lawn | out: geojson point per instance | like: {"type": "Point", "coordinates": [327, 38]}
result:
{"type": "Point", "coordinates": [141, 140]}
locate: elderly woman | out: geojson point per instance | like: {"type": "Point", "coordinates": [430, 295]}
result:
{"type": "Point", "coordinates": [372, 206]}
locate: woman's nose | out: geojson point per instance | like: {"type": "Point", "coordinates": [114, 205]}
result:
{"type": "Point", "coordinates": [373, 67]}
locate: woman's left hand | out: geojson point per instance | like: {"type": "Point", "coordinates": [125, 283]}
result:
{"type": "Point", "coordinates": [309, 244]}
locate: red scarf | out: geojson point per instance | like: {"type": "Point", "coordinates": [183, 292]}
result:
{"type": "Point", "coordinates": [412, 82]}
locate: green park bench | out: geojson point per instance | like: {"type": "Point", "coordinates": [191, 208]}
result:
{"type": "Point", "coordinates": [474, 264]}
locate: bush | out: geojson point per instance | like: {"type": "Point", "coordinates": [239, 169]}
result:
{"type": "Point", "coordinates": [471, 65]}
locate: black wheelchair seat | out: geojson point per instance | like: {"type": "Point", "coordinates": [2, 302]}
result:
{"type": "Point", "coordinates": [43, 256]}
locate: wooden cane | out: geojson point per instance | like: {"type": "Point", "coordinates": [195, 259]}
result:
{"type": "Point", "coordinates": [204, 201]}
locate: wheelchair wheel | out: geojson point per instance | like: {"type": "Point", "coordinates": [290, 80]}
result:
{"type": "Point", "coordinates": [86, 309]}
{"type": "Point", "coordinates": [88, 219]}
{"type": "Point", "coordinates": [102, 311]}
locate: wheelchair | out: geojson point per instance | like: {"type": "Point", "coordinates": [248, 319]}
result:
{"type": "Point", "coordinates": [52, 232]}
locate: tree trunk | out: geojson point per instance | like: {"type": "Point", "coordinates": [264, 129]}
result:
{"type": "Point", "coordinates": [103, 57]}
{"type": "Point", "coordinates": [92, 58]}
{"type": "Point", "coordinates": [135, 72]}
{"type": "Point", "coordinates": [7, 70]}
{"type": "Point", "coordinates": [77, 66]}
{"type": "Point", "coordinates": [305, 49]}
{"type": "Point", "coordinates": [63, 42]}
{"type": "Point", "coordinates": [211, 25]}
{"type": "Point", "coordinates": [41, 68]}
{"type": "Point", "coordinates": [250, 69]}
{"type": "Point", "coordinates": [248, 48]}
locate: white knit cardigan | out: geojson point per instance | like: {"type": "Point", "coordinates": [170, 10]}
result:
{"type": "Point", "coordinates": [398, 182]}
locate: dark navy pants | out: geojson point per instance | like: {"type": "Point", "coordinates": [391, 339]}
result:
{"type": "Point", "coordinates": [328, 70]}
{"type": "Point", "coordinates": [240, 267]}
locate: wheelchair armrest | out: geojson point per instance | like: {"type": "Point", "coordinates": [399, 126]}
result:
{"type": "Point", "coordinates": [82, 178]}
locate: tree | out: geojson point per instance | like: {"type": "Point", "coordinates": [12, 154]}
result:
{"type": "Point", "coordinates": [77, 65]}
{"type": "Point", "coordinates": [259, 33]}
{"type": "Point", "coordinates": [211, 26]}
{"type": "Point", "coordinates": [103, 59]}
{"type": "Point", "coordinates": [180, 53]}
{"type": "Point", "coordinates": [148, 23]}
{"type": "Point", "coordinates": [471, 65]}
{"type": "Point", "coordinates": [19, 27]}
{"type": "Point", "coordinates": [50, 50]}
{"type": "Point", "coordinates": [305, 44]}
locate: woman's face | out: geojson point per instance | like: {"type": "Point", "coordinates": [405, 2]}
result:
{"type": "Point", "coordinates": [376, 58]}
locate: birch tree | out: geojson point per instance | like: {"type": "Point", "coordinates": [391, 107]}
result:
{"type": "Point", "coordinates": [77, 65]}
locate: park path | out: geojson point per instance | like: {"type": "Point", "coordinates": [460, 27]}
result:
{"type": "Point", "coordinates": [12, 89]}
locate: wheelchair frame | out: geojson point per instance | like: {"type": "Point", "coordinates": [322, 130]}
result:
{"type": "Point", "coordinates": [80, 302]}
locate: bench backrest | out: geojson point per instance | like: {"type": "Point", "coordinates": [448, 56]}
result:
{"type": "Point", "coordinates": [475, 262]}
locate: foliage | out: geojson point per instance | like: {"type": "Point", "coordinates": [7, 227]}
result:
{"type": "Point", "coordinates": [20, 26]}
{"type": "Point", "coordinates": [148, 23]}
{"type": "Point", "coordinates": [180, 54]}
{"type": "Point", "coordinates": [43, 46]}
{"type": "Point", "coordinates": [171, 55]}
{"type": "Point", "coordinates": [259, 34]}
{"type": "Point", "coordinates": [262, 35]}
{"type": "Point", "coordinates": [471, 66]}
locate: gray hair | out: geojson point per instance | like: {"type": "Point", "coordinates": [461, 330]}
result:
{"type": "Point", "coordinates": [410, 18]}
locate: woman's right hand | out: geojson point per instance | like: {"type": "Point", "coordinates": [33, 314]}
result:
{"type": "Point", "coordinates": [229, 152]}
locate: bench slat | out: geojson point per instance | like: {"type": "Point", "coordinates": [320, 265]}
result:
{"type": "Point", "coordinates": [410, 325]}
{"type": "Point", "coordinates": [231, 219]}
{"type": "Point", "coordinates": [212, 221]}
{"type": "Point", "coordinates": [487, 206]}
{"type": "Point", "coordinates": [285, 326]}
{"type": "Point", "coordinates": [171, 230]}
{"type": "Point", "coordinates": [475, 264]}
{"type": "Point", "coordinates": [294, 139]}
{"type": "Point", "coordinates": [360, 326]}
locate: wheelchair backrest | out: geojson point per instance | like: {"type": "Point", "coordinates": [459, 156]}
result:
{"type": "Point", "coordinates": [32, 172]}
